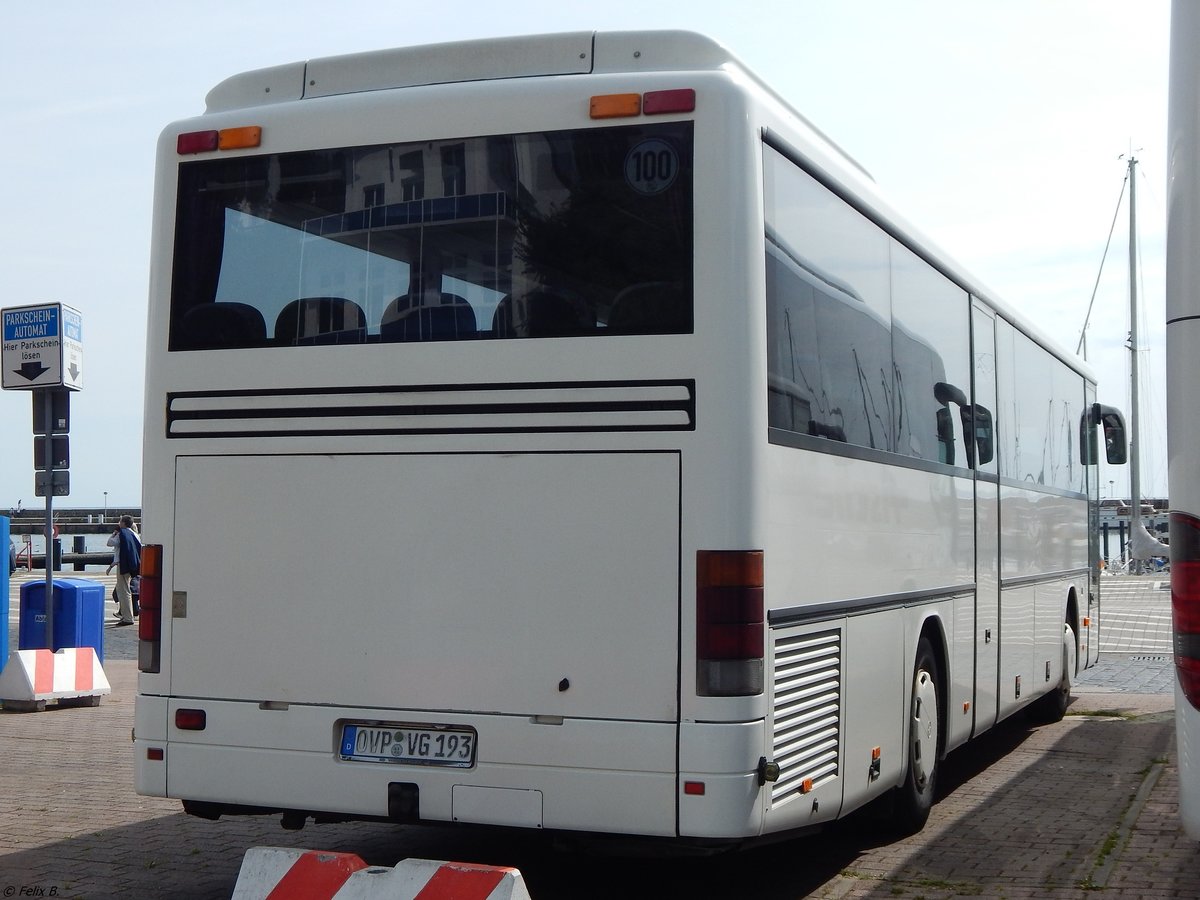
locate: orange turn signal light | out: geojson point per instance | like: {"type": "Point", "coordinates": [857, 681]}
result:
{"type": "Point", "coordinates": [614, 106]}
{"type": "Point", "coordinates": [239, 138]}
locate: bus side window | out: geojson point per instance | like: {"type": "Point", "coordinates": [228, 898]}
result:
{"type": "Point", "coordinates": [982, 440]}
{"type": "Point", "coordinates": [945, 394]}
{"type": "Point", "coordinates": [976, 423]}
{"type": "Point", "coordinates": [945, 432]}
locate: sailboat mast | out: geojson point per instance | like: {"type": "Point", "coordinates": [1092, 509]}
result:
{"type": "Point", "coordinates": [1135, 487]}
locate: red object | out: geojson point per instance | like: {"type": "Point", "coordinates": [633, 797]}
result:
{"type": "Point", "coordinates": [658, 102]}
{"type": "Point", "coordinates": [315, 875]}
{"type": "Point", "coordinates": [1185, 603]}
{"type": "Point", "coordinates": [196, 142]}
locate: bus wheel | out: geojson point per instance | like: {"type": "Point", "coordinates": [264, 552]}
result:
{"type": "Point", "coordinates": [1052, 707]}
{"type": "Point", "coordinates": [914, 798]}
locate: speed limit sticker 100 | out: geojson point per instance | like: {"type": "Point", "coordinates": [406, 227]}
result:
{"type": "Point", "coordinates": [651, 166]}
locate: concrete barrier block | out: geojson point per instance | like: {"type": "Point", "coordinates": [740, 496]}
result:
{"type": "Point", "coordinates": [269, 873]}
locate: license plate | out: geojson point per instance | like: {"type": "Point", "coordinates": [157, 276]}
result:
{"type": "Point", "coordinates": [423, 745]}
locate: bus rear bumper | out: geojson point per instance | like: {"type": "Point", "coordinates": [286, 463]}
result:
{"type": "Point", "coordinates": [719, 791]}
{"type": "Point", "coordinates": [149, 740]}
{"type": "Point", "coordinates": [572, 775]}
{"type": "Point", "coordinates": [326, 789]}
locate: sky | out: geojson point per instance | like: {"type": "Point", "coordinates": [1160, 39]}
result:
{"type": "Point", "coordinates": [1000, 129]}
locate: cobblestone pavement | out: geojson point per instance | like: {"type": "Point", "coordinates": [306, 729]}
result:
{"type": "Point", "coordinates": [1084, 808]}
{"type": "Point", "coordinates": [1135, 638]}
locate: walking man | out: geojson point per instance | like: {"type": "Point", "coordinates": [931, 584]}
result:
{"type": "Point", "coordinates": [129, 563]}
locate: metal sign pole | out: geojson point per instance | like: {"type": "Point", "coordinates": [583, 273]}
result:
{"type": "Point", "coordinates": [48, 418]}
{"type": "Point", "coordinates": [41, 351]}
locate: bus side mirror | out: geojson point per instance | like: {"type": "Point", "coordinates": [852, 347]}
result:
{"type": "Point", "coordinates": [976, 423]}
{"type": "Point", "coordinates": [946, 393]}
{"type": "Point", "coordinates": [945, 433]}
{"type": "Point", "coordinates": [1112, 423]}
{"type": "Point", "coordinates": [977, 426]}
{"type": "Point", "coordinates": [985, 434]}
{"type": "Point", "coordinates": [1115, 444]}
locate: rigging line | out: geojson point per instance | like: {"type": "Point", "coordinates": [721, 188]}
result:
{"type": "Point", "coordinates": [1107, 244]}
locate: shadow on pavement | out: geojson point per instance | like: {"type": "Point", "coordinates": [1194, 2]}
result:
{"type": "Point", "coordinates": [1022, 809]}
{"type": "Point", "coordinates": [184, 857]}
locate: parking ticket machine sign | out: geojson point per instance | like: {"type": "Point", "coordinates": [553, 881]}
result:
{"type": "Point", "coordinates": [42, 347]}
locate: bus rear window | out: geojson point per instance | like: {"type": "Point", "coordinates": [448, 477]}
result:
{"type": "Point", "coordinates": [552, 234]}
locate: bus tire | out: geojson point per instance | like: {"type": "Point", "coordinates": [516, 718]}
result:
{"type": "Point", "coordinates": [913, 799]}
{"type": "Point", "coordinates": [1053, 706]}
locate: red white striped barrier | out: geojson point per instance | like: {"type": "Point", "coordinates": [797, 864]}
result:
{"type": "Point", "coordinates": [275, 873]}
{"type": "Point", "coordinates": [31, 677]}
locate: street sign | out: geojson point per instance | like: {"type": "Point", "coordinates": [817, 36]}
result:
{"type": "Point", "coordinates": [60, 410]}
{"type": "Point", "coordinates": [60, 452]}
{"type": "Point", "coordinates": [42, 347]}
{"type": "Point", "coordinates": [52, 484]}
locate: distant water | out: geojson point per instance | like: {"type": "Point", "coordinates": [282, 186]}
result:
{"type": "Point", "coordinates": [93, 543]}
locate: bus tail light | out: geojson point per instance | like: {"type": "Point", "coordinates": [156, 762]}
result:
{"type": "Point", "coordinates": [652, 103]}
{"type": "Point", "coordinates": [1185, 603]}
{"type": "Point", "coordinates": [192, 142]}
{"type": "Point", "coordinates": [150, 619]}
{"type": "Point", "coordinates": [196, 142]}
{"type": "Point", "coordinates": [729, 623]}
{"type": "Point", "coordinates": [191, 719]}
{"type": "Point", "coordinates": [656, 103]}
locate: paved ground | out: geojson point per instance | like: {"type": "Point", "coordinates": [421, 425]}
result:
{"type": "Point", "coordinates": [1082, 809]}
{"type": "Point", "coordinates": [1135, 638]}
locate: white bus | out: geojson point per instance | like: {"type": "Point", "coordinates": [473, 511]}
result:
{"type": "Point", "coordinates": [560, 432]}
{"type": "Point", "coordinates": [1183, 374]}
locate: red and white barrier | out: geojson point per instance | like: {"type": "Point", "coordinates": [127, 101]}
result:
{"type": "Point", "coordinates": [31, 677]}
{"type": "Point", "coordinates": [274, 873]}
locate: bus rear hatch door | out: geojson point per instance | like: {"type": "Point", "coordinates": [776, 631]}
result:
{"type": "Point", "coordinates": [532, 583]}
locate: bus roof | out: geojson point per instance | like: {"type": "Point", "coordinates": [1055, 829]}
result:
{"type": "Point", "coordinates": [525, 56]}
{"type": "Point", "coordinates": [574, 53]}
{"type": "Point", "coordinates": [570, 53]}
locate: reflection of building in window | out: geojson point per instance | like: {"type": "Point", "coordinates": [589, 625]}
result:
{"type": "Point", "coordinates": [362, 225]}
{"type": "Point", "coordinates": [864, 336]}
{"type": "Point", "coordinates": [454, 170]}
{"type": "Point", "coordinates": [411, 167]}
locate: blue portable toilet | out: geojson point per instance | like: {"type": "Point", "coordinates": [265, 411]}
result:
{"type": "Point", "coordinates": [5, 534]}
{"type": "Point", "coordinates": [78, 615]}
